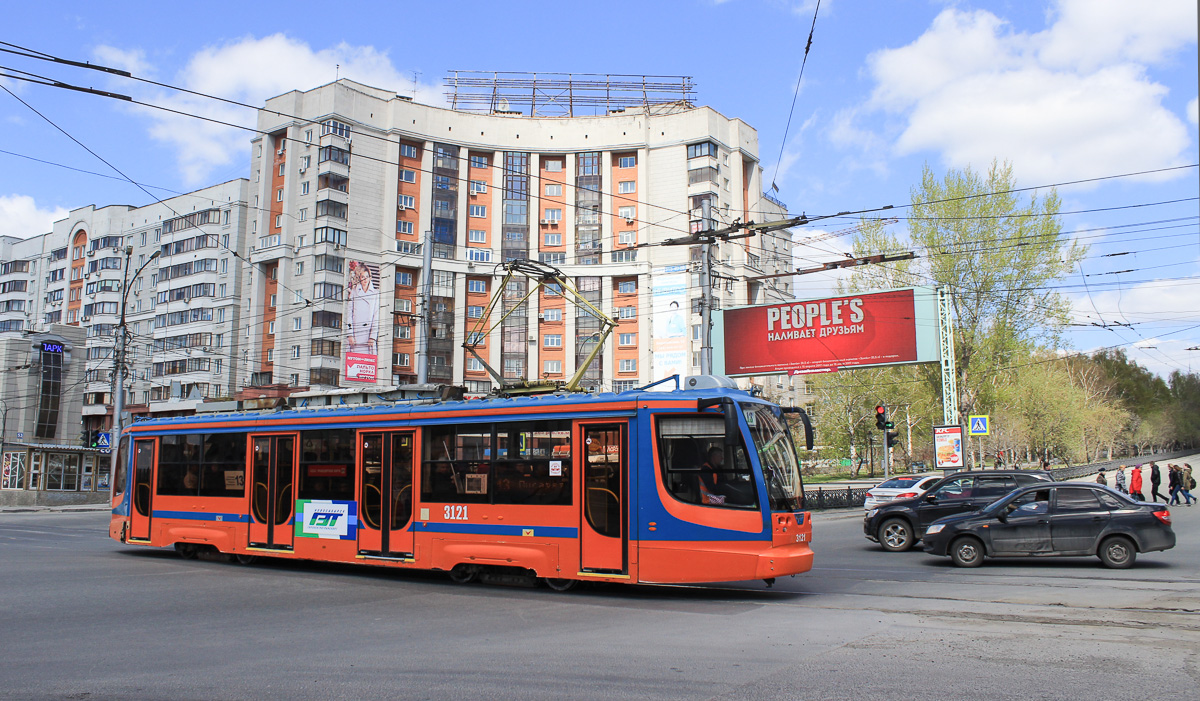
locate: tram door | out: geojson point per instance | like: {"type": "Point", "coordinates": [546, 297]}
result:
{"type": "Point", "coordinates": [603, 537]}
{"type": "Point", "coordinates": [385, 464]}
{"type": "Point", "coordinates": [272, 492]}
{"type": "Point", "coordinates": [143, 491]}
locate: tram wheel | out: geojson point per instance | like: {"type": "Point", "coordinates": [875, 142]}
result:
{"type": "Point", "coordinates": [187, 551]}
{"type": "Point", "coordinates": [560, 584]}
{"type": "Point", "coordinates": [463, 574]}
{"type": "Point", "coordinates": [245, 559]}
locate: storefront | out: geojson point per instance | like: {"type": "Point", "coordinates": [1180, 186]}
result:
{"type": "Point", "coordinates": [47, 475]}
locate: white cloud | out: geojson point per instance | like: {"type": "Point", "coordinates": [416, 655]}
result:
{"type": "Point", "coordinates": [1072, 101]}
{"type": "Point", "coordinates": [250, 70]}
{"type": "Point", "coordinates": [21, 217]}
{"type": "Point", "coordinates": [1192, 111]}
{"type": "Point", "coordinates": [133, 60]}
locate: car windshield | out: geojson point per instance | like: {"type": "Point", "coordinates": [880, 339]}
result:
{"type": "Point", "coordinates": [900, 483]}
{"type": "Point", "coordinates": [777, 454]}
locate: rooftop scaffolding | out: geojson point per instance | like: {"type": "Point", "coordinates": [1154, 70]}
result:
{"type": "Point", "coordinates": [564, 94]}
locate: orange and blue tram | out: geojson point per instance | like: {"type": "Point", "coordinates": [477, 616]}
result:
{"type": "Point", "coordinates": [695, 485]}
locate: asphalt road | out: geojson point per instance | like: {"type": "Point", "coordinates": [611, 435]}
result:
{"type": "Point", "coordinates": [88, 618]}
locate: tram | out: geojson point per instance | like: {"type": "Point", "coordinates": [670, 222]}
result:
{"type": "Point", "coordinates": [699, 484]}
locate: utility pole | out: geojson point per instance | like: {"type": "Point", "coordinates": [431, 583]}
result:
{"type": "Point", "coordinates": [426, 293]}
{"type": "Point", "coordinates": [706, 289]}
{"type": "Point", "coordinates": [119, 369]}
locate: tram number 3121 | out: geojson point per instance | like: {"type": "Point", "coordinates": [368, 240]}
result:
{"type": "Point", "coordinates": [454, 513]}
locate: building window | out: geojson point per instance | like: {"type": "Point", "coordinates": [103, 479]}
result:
{"type": "Point", "coordinates": [402, 332]}
{"type": "Point", "coordinates": [629, 365]}
{"type": "Point", "coordinates": [297, 323]}
{"type": "Point", "coordinates": [474, 311]}
{"type": "Point", "coordinates": [627, 161]}
{"type": "Point", "coordinates": [552, 239]}
{"type": "Point", "coordinates": [304, 188]}
{"type": "Point", "coordinates": [295, 351]}
{"type": "Point", "coordinates": [479, 255]}
{"type": "Point", "coordinates": [627, 238]}
{"type": "Point", "coordinates": [553, 215]}
{"type": "Point", "coordinates": [325, 347]}
{"type": "Point", "coordinates": [406, 202]}
{"type": "Point", "coordinates": [408, 151]}
{"type": "Point", "coordinates": [626, 312]}
{"type": "Point", "coordinates": [624, 385]}
{"type": "Point", "coordinates": [401, 359]}
{"type": "Point", "coordinates": [323, 376]}
{"type": "Point", "coordinates": [552, 340]}
{"type": "Point", "coordinates": [479, 211]}
{"type": "Point", "coordinates": [279, 221]}
{"type": "Point", "coordinates": [552, 367]}
{"type": "Point", "coordinates": [271, 328]}
{"type": "Point", "coordinates": [476, 286]}
{"type": "Point", "coordinates": [404, 227]}
{"type": "Point", "coordinates": [270, 355]}
{"type": "Point", "coordinates": [474, 364]}
{"type": "Point", "coordinates": [404, 279]}
{"type": "Point", "coordinates": [626, 187]}
{"type": "Point", "coordinates": [477, 236]}
{"type": "Point", "coordinates": [554, 165]}
{"type": "Point", "coordinates": [627, 213]}
{"type": "Point", "coordinates": [552, 315]}
{"type": "Point", "coordinates": [403, 306]}
{"type": "Point", "coordinates": [48, 394]}
{"type": "Point", "coordinates": [553, 190]}
{"type": "Point", "coordinates": [627, 255]}
{"type": "Point", "coordinates": [479, 161]}
{"type": "Point", "coordinates": [478, 187]}
{"type": "Point", "coordinates": [408, 176]}
{"type": "Point", "coordinates": [627, 286]}
{"type": "Point", "coordinates": [627, 339]}
{"type": "Point", "coordinates": [706, 148]}
{"type": "Point", "coordinates": [279, 194]}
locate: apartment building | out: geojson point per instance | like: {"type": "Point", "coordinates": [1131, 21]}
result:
{"type": "Point", "coordinates": [350, 176]}
{"type": "Point", "coordinates": [175, 268]}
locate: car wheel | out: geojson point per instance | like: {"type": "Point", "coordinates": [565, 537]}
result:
{"type": "Point", "coordinates": [1118, 553]}
{"type": "Point", "coordinates": [895, 535]}
{"type": "Point", "coordinates": [967, 552]}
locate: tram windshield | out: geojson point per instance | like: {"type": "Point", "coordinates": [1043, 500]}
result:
{"type": "Point", "coordinates": [777, 454]}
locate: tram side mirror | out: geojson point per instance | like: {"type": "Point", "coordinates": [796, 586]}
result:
{"type": "Point", "coordinates": [729, 407]}
{"type": "Point", "coordinates": [808, 429]}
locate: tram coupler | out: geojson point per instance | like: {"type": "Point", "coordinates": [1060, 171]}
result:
{"type": "Point", "coordinates": [770, 582]}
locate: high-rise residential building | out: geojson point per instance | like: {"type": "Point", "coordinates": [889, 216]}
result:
{"type": "Point", "coordinates": [349, 182]}
{"type": "Point", "coordinates": [64, 291]}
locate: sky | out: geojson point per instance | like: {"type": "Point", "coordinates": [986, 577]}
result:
{"type": "Point", "coordinates": [1065, 90]}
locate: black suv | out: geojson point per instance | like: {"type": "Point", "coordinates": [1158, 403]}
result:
{"type": "Point", "coordinates": [898, 525]}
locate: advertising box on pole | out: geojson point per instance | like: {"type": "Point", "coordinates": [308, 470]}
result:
{"type": "Point", "coordinates": [892, 327]}
{"type": "Point", "coordinates": [948, 447]}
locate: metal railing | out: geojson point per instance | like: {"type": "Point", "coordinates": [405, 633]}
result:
{"type": "Point", "coordinates": [850, 497]}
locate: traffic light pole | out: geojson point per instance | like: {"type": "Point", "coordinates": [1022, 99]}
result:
{"type": "Point", "coordinates": [119, 371]}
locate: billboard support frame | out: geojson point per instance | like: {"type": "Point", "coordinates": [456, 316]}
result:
{"type": "Point", "coordinates": [949, 384]}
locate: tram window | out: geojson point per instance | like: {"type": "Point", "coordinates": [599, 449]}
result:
{"type": "Point", "coordinates": [211, 465]}
{"type": "Point", "coordinates": [327, 464]}
{"type": "Point", "coordinates": [698, 468]}
{"type": "Point", "coordinates": [513, 463]}
{"type": "Point", "coordinates": [122, 463]}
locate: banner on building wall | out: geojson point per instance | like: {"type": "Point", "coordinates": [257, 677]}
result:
{"type": "Point", "coordinates": [362, 321]}
{"type": "Point", "coordinates": [829, 334]}
{"type": "Point", "coordinates": [669, 312]}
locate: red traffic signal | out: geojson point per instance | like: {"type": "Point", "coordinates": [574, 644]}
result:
{"type": "Point", "coordinates": [880, 409]}
{"type": "Point", "coordinates": [880, 417]}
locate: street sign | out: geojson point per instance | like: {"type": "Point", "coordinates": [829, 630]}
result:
{"type": "Point", "coordinates": [102, 441]}
{"type": "Point", "coordinates": [978, 425]}
{"type": "Point", "coordinates": [20, 435]}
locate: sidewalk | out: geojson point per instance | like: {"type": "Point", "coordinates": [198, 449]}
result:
{"type": "Point", "coordinates": [65, 509]}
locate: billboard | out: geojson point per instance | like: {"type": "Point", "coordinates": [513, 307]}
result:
{"type": "Point", "coordinates": [362, 321]}
{"type": "Point", "coordinates": [892, 327]}
{"type": "Point", "coordinates": [948, 447]}
{"type": "Point", "coordinates": [669, 302]}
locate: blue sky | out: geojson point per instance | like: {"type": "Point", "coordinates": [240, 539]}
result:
{"type": "Point", "coordinates": [1065, 90]}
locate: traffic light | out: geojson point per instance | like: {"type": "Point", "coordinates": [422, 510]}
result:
{"type": "Point", "coordinates": [85, 437]}
{"type": "Point", "coordinates": [881, 417]}
{"type": "Point", "coordinates": [893, 437]}
{"type": "Point", "coordinates": [93, 439]}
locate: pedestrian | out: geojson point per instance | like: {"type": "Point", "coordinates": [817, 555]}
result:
{"type": "Point", "coordinates": [1175, 484]}
{"type": "Point", "coordinates": [1135, 483]}
{"type": "Point", "coordinates": [1155, 483]}
{"type": "Point", "coordinates": [1189, 483]}
{"type": "Point", "coordinates": [1120, 480]}
{"type": "Point", "coordinates": [1101, 479]}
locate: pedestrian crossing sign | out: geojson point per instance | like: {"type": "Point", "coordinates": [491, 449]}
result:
{"type": "Point", "coordinates": [978, 425]}
{"type": "Point", "coordinates": [102, 441]}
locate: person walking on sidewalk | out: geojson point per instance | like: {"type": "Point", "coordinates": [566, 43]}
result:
{"type": "Point", "coordinates": [1155, 483]}
{"type": "Point", "coordinates": [1173, 484]}
{"type": "Point", "coordinates": [1135, 483]}
{"type": "Point", "coordinates": [1101, 479]}
{"type": "Point", "coordinates": [1189, 483]}
{"type": "Point", "coordinates": [1120, 480]}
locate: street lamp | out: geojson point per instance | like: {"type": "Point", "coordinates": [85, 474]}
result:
{"type": "Point", "coordinates": [119, 369]}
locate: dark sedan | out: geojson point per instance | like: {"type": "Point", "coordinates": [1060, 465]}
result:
{"type": "Point", "coordinates": [899, 524]}
{"type": "Point", "coordinates": [1063, 519]}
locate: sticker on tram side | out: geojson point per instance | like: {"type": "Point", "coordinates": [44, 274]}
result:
{"type": "Point", "coordinates": [323, 518]}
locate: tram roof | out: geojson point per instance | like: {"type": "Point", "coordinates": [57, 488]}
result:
{"type": "Point", "coordinates": [504, 406]}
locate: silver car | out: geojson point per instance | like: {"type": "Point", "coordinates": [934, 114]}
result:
{"type": "Point", "coordinates": [903, 487]}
